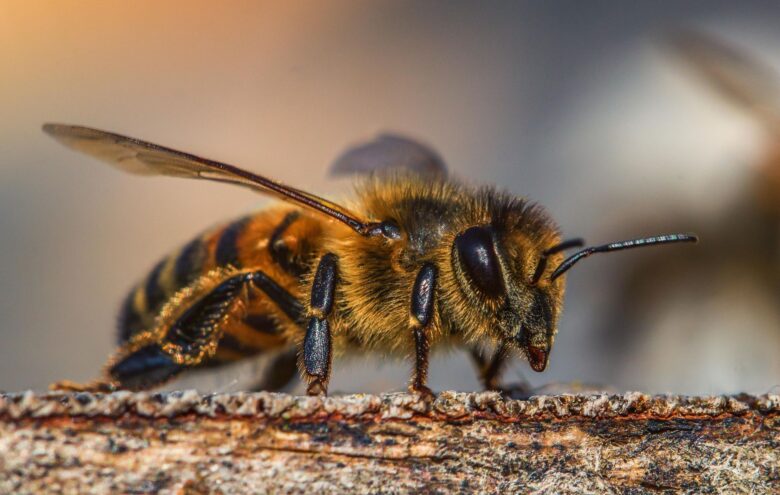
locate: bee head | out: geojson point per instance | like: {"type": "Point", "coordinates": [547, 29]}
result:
{"type": "Point", "coordinates": [494, 271]}
{"type": "Point", "coordinates": [508, 278]}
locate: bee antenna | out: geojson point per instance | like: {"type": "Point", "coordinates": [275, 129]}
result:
{"type": "Point", "coordinates": [620, 245]}
{"type": "Point", "coordinates": [571, 243]}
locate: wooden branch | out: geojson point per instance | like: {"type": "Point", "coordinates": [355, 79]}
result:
{"type": "Point", "coordinates": [461, 443]}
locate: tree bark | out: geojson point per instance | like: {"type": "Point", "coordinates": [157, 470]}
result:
{"type": "Point", "coordinates": [183, 442]}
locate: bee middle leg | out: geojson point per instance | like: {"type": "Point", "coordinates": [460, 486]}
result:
{"type": "Point", "coordinates": [490, 367]}
{"type": "Point", "coordinates": [317, 345]}
{"type": "Point", "coordinates": [421, 317]}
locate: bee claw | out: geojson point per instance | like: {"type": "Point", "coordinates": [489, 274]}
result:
{"type": "Point", "coordinates": [425, 393]}
{"type": "Point", "coordinates": [316, 388]}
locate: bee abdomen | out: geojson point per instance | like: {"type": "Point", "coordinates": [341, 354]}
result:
{"type": "Point", "coordinates": [281, 254]}
{"type": "Point", "coordinates": [130, 318]}
{"type": "Point", "coordinates": [258, 241]}
{"type": "Point", "coordinates": [189, 262]}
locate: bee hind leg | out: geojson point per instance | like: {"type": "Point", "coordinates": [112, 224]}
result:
{"type": "Point", "coordinates": [143, 368]}
{"type": "Point", "coordinates": [134, 369]}
{"type": "Point", "coordinates": [190, 340]}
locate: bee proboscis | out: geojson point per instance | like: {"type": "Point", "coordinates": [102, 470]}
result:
{"type": "Point", "coordinates": [419, 260]}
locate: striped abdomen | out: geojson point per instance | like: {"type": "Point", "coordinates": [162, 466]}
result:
{"type": "Point", "coordinates": [277, 242]}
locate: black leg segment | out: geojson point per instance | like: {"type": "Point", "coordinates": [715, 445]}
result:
{"type": "Point", "coordinates": [144, 368]}
{"type": "Point", "coordinates": [324, 285]}
{"type": "Point", "coordinates": [279, 295]}
{"type": "Point", "coordinates": [200, 324]}
{"type": "Point", "coordinates": [317, 345]}
{"type": "Point", "coordinates": [422, 314]}
{"type": "Point", "coordinates": [490, 369]}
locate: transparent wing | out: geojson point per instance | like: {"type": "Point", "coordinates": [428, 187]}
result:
{"type": "Point", "coordinates": [740, 78]}
{"type": "Point", "coordinates": [143, 158]}
{"type": "Point", "coordinates": [389, 151]}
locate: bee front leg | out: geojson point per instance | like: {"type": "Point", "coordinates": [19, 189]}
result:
{"type": "Point", "coordinates": [317, 345]}
{"type": "Point", "coordinates": [421, 317]}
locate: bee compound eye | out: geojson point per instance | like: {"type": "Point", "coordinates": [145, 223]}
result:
{"type": "Point", "coordinates": [477, 256]}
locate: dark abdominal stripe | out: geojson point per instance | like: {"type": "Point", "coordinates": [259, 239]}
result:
{"type": "Point", "coordinates": [280, 253]}
{"type": "Point", "coordinates": [227, 247]}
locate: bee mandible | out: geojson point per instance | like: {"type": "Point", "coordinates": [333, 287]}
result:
{"type": "Point", "coordinates": [418, 260]}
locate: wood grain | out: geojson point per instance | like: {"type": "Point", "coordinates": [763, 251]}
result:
{"type": "Point", "coordinates": [183, 442]}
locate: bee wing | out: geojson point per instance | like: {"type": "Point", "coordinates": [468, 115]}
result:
{"type": "Point", "coordinates": [144, 158]}
{"type": "Point", "coordinates": [389, 151]}
{"type": "Point", "coordinates": [738, 77]}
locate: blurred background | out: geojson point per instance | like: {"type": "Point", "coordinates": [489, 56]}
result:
{"type": "Point", "coordinates": [585, 108]}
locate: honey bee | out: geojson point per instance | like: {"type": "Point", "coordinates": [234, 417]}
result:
{"type": "Point", "coordinates": [416, 261]}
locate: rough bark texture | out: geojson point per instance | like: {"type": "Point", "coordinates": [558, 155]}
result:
{"type": "Point", "coordinates": [460, 443]}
